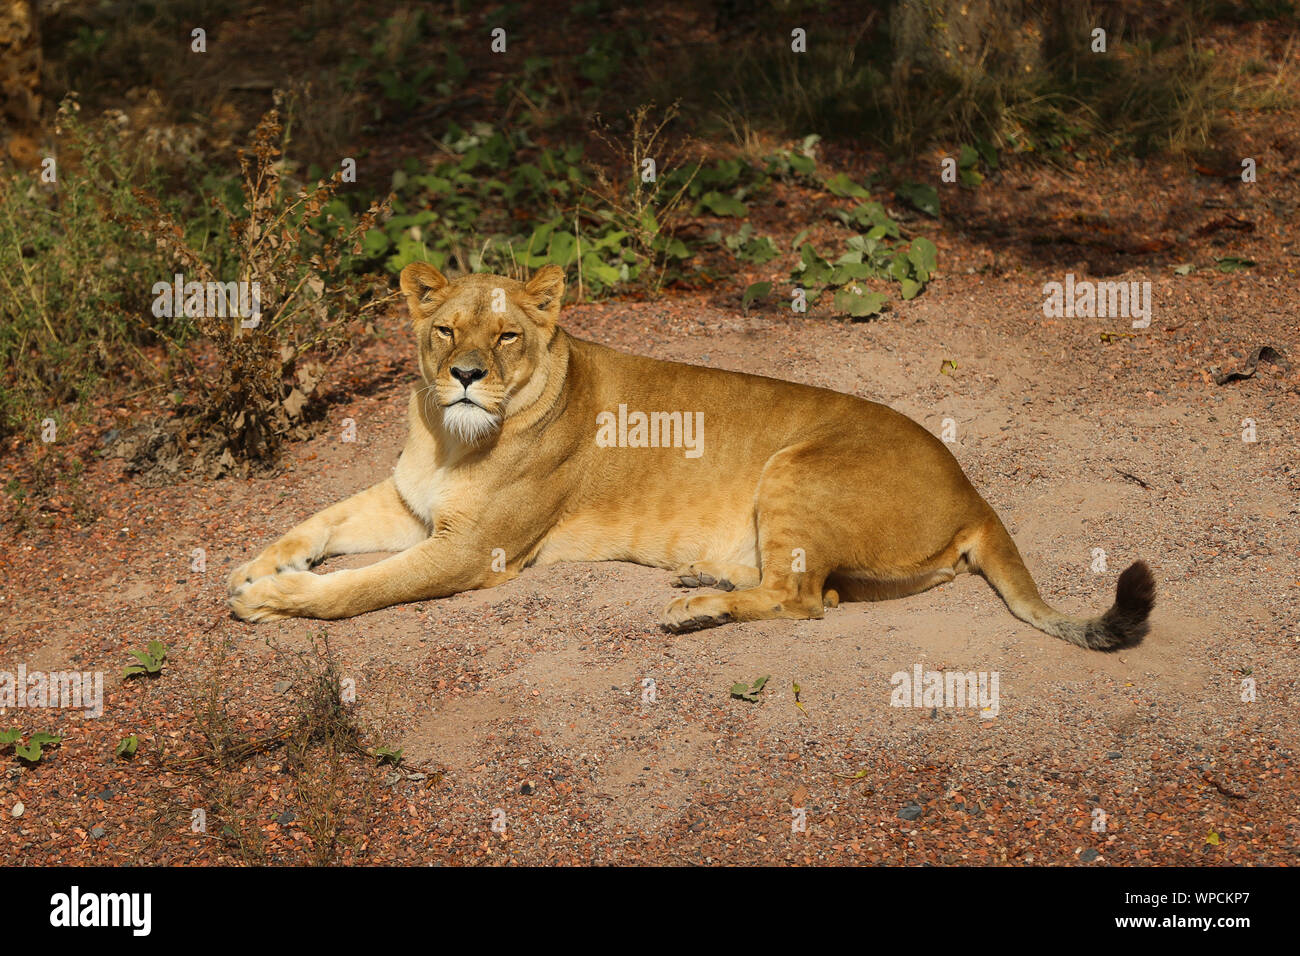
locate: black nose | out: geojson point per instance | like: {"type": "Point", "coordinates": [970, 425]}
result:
{"type": "Point", "coordinates": [467, 376]}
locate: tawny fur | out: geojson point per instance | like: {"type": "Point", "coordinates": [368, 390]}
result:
{"type": "Point", "coordinates": [800, 497]}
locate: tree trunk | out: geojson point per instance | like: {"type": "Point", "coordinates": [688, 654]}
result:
{"type": "Point", "coordinates": [20, 81]}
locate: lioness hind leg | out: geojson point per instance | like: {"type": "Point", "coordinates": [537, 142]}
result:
{"type": "Point", "coordinates": [755, 604]}
{"type": "Point", "coordinates": [782, 592]}
{"type": "Point", "coordinates": [792, 583]}
{"type": "Point", "coordinates": [798, 544]}
{"type": "Point", "coordinates": [716, 574]}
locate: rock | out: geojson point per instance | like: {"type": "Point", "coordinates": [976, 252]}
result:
{"type": "Point", "coordinates": [1088, 855]}
{"type": "Point", "coordinates": [18, 809]}
{"type": "Point", "coordinates": [97, 831]}
{"type": "Point", "coordinates": [911, 810]}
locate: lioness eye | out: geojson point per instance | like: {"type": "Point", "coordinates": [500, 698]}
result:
{"type": "Point", "coordinates": [443, 331]}
{"type": "Point", "coordinates": [508, 336]}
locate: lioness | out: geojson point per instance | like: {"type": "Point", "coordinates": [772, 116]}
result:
{"type": "Point", "coordinates": [522, 451]}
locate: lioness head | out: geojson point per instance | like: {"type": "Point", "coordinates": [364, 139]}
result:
{"type": "Point", "coordinates": [481, 339]}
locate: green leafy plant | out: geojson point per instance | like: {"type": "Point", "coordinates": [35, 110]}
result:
{"type": "Point", "coordinates": [869, 256]}
{"type": "Point", "coordinates": [520, 207]}
{"type": "Point", "coordinates": [34, 749]}
{"type": "Point", "coordinates": [748, 247]}
{"type": "Point", "coordinates": [73, 308]}
{"type": "Point", "coordinates": [754, 292]}
{"type": "Point", "coordinates": [795, 164]}
{"type": "Point", "coordinates": [920, 196]}
{"type": "Point", "coordinates": [721, 204]}
{"type": "Point", "coordinates": [842, 185]}
{"type": "Point", "coordinates": [858, 302]}
{"type": "Point", "coordinates": [126, 747]}
{"type": "Point", "coordinates": [812, 270]}
{"type": "Point", "coordinates": [970, 158]}
{"type": "Point", "coordinates": [749, 692]}
{"type": "Point", "coordinates": [870, 217]}
{"type": "Point", "coordinates": [913, 267]}
{"type": "Point", "coordinates": [150, 661]}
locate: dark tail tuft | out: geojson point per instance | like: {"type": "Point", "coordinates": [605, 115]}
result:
{"type": "Point", "coordinates": [1135, 596]}
{"type": "Point", "coordinates": [1124, 625]}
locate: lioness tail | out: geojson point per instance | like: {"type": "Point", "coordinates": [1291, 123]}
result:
{"type": "Point", "coordinates": [995, 556]}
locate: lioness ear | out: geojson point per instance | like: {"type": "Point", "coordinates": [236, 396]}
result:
{"type": "Point", "coordinates": [546, 288]}
{"type": "Point", "coordinates": [418, 280]}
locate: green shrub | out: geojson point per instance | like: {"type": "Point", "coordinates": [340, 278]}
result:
{"type": "Point", "coordinates": [73, 305]}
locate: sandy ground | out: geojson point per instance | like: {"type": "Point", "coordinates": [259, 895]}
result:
{"type": "Point", "coordinates": [532, 701]}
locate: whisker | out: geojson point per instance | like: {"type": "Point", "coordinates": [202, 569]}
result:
{"type": "Point", "coordinates": [424, 398]}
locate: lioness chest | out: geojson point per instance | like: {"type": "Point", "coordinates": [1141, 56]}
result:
{"type": "Point", "coordinates": [610, 516]}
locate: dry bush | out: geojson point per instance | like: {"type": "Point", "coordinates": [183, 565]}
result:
{"type": "Point", "coordinates": [648, 210]}
{"type": "Point", "coordinates": [254, 386]}
{"type": "Point", "coordinates": [318, 741]}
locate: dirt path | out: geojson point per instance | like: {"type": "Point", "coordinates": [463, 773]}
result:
{"type": "Point", "coordinates": [533, 699]}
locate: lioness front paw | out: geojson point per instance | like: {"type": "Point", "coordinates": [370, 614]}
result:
{"type": "Point", "coordinates": [273, 597]}
{"type": "Point", "coordinates": [264, 565]}
{"type": "Point", "coordinates": [678, 617]}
